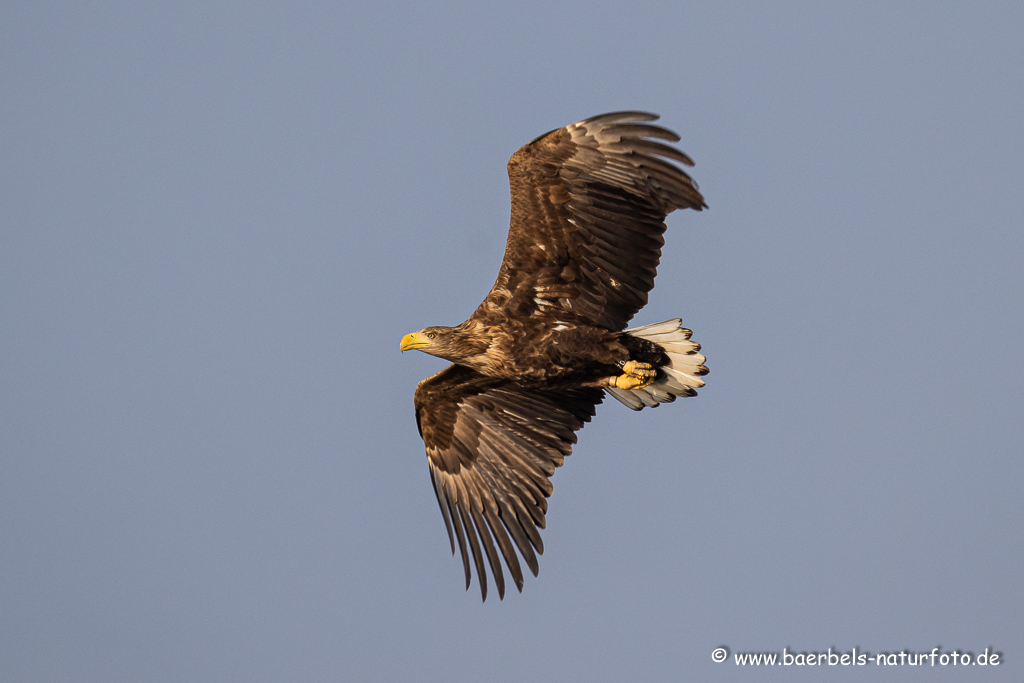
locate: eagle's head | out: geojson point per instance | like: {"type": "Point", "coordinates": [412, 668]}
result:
{"type": "Point", "coordinates": [443, 342]}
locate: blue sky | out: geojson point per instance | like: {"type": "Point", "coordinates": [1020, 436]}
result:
{"type": "Point", "coordinates": [218, 219]}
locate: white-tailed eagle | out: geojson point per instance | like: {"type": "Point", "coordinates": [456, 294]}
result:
{"type": "Point", "coordinates": [531, 364]}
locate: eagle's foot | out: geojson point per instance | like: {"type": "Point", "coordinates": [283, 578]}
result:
{"type": "Point", "coordinates": [635, 368]}
{"type": "Point", "coordinates": [628, 382]}
{"type": "Point", "coordinates": [638, 375]}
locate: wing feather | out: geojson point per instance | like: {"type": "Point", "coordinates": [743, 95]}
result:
{"type": "Point", "coordinates": [492, 446]}
{"type": "Point", "coordinates": [457, 522]}
{"type": "Point", "coordinates": [474, 546]}
{"type": "Point", "coordinates": [513, 523]}
{"type": "Point", "coordinates": [443, 504]}
{"type": "Point", "coordinates": [492, 555]}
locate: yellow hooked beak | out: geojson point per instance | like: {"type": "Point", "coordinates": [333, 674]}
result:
{"type": "Point", "coordinates": [414, 340]}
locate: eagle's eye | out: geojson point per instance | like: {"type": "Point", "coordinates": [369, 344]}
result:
{"type": "Point", "coordinates": [431, 335]}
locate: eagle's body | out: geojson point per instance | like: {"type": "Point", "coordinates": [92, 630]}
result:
{"type": "Point", "coordinates": [534, 353]}
{"type": "Point", "coordinates": [534, 360]}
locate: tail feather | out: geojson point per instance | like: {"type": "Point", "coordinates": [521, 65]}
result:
{"type": "Point", "coordinates": [680, 376]}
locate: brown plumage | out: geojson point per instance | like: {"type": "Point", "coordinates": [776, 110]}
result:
{"type": "Point", "coordinates": [533, 361]}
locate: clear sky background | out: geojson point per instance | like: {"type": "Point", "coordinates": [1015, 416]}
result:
{"type": "Point", "coordinates": [218, 219]}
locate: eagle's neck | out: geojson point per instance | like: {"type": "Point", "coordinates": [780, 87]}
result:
{"type": "Point", "coordinates": [469, 345]}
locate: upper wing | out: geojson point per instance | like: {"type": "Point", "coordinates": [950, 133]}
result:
{"type": "Point", "coordinates": [492, 446]}
{"type": "Point", "coordinates": [588, 208]}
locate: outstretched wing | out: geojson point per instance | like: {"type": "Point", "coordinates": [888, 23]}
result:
{"type": "Point", "coordinates": [588, 208]}
{"type": "Point", "coordinates": [492, 446]}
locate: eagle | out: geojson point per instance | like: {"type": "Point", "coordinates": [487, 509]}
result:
{"type": "Point", "coordinates": [532, 363]}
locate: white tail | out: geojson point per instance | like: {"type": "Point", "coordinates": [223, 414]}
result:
{"type": "Point", "coordinates": [680, 376]}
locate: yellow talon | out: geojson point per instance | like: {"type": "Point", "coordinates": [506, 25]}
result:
{"type": "Point", "coordinates": [636, 375]}
{"type": "Point", "coordinates": [629, 382]}
{"type": "Point", "coordinates": [635, 368]}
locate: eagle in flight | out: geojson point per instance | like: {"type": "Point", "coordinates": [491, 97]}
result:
{"type": "Point", "coordinates": [531, 364]}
